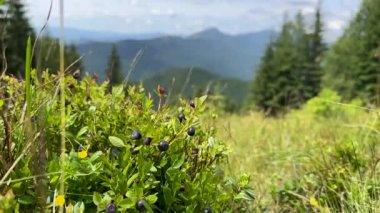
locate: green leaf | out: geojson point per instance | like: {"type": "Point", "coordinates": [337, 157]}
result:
{"type": "Point", "coordinates": [202, 99]}
{"type": "Point", "coordinates": [97, 198]}
{"type": "Point", "coordinates": [211, 142]}
{"type": "Point", "coordinates": [106, 199]}
{"type": "Point", "coordinates": [167, 196]}
{"type": "Point", "coordinates": [26, 199]}
{"type": "Point", "coordinates": [127, 203]}
{"type": "Point", "coordinates": [178, 163]}
{"type": "Point", "coordinates": [132, 194]}
{"type": "Point", "coordinates": [1, 101]}
{"type": "Point", "coordinates": [54, 179]}
{"type": "Point", "coordinates": [152, 199]}
{"type": "Point", "coordinates": [245, 195]}
{"type": "Point", "coordinates": [153, 169]}
{"type": "Point", "coordinates": [115, 141]}
{"type": "Point", "coordinates": [92, 109]}
{"type": "Point", "coordinates": [95, 156]}
{"type": "Point", "coordinates": [117, 90]}
{"type": "Point", "coordinates": [79, 207]}
{"type": "Point", "coordinates": [82, 132]}
{"type": "Point", "coordinates": [131, 179]}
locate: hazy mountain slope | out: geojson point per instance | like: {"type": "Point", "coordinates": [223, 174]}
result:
{"type": "Point", "coordinates": [73, 35]}
{"type": "Point", "coordinates": [225, 55]}
{"type": "Point", "coordinates": [233, 89]}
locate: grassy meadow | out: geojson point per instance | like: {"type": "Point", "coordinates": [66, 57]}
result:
{"type": "Point", "coordinates": [302, 161]}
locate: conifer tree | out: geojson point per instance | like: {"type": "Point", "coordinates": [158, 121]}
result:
{"type": "Point", "coordinates": [290, 73]}
{"type": "Point", "coordinates": [16, 29]}
{"type": "Point", "coordinates": [261, 92]}
{"type": "Point", "coordinates": [317, 49]}
{"type": "Point", "coordinates": [352, 67]}
{"type": "Point", "coordinates": [113, 71]}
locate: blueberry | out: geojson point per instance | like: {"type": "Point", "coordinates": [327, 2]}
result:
{"type": "Point", "coordinates": [71, 86]}
{"type": "Point", "coordinates": [161, 90]}
{"type": "Point", "coordinates": [133, 151]}
{"type": "Point", "coordinates": [181, 117]}
{"type": "Point", "coordinates": [140, 205]}
{"type": "Point", "coordinates": [34, 118]}
{"type": "Point", "coordinates": [163, 146]}
{"type": "Point", "coordinates": [76, 75]}
{"type": "Point", "coordinates": [135, 135]}
{"type": "Point", "coordinates": [148, 141]}
{"type": "Point", "coordinates": [192, 103]}
{"type": "Point", "coordinates": [191, 131]}
{"type": "Point", "coordinates": [110, 208]}
{"type": "Point", "coordinates": [195, 151]}
{"type": "Point", "coordinates": [115, 152]}
{"type": "Point", "coordinates": [207, 210]}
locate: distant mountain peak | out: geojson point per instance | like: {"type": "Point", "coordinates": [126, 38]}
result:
{"type": "Point", "coordinates": [211, 32]}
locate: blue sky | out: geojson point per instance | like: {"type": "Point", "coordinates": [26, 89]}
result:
{"type": "Point", "coordinates": [183, 17]}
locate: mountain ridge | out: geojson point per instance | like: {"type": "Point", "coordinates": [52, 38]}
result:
{"type": "Point", "coordinates": [231, 56]}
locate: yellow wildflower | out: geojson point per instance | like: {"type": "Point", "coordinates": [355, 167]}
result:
{"type": "Point", "coordinates": [59, 200]}
{"type": "Point", "coordinates": [313, 202]}
{"type": "Point", "coordinates": [82, 154]}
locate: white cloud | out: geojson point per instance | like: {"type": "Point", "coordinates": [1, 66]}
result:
{"type": "Point", "coordinates": [187, 16]}
{"type": "Point", "coordinates": [335, 24]}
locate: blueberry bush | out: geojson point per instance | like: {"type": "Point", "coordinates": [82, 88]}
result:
{"type": "Point", "coordinates": [122, 153]}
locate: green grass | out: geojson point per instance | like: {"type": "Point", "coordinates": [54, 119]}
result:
{"type": "Point", "coordinates": [274, 151]}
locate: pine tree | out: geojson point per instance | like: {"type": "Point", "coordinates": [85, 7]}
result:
{"type": "Point", "coordinates": [275, 85]}
{"type": "Point", "coordinates": [289, 73]}
{"type": "Point", "coordinates": [317, 48]}
{"type": "Point", "coordinates": [286, 78]}
{"type": "Point", "coordinates": [301, 64]}
{"type": "Point", "coordinates": [261, 92]}
{"type": "Point", "coordinates": [14, 36]}
{"type": "Point", "coordinates": [2, 39]}
{"type": "Point", "coordinates": [113, 72]}
{"type": "Point", "coordinates": [352, 66]}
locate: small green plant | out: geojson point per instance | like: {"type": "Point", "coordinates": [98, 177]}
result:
{"type": "Point", "coordinates": [328, 104]}
{"type": "Point", "coordinates": [122, 154]}
{"type": "Point", "coordinates": [342, 179]}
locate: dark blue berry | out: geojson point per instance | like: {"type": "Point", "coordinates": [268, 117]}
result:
{"type": "Point", "coordinates": [115, 152]}
{"type": "Point", "coordinates": [148, 141]}
{"type": "Point", "coordinates": [71, 85]}
{"type": "Point", "coordinates": [111, 208]}
{"type": "Point", "coordinates": [207, 210]}
{"type": "Point", "coordinates": [140, 205]}
{"type": "Point", "coordinates": [195, 151]}
{"type": "Point", "coordinates": [76, 75]}
{"type": "Point", "coordinates": [34, 118]}
{"type": "Point", "coordinates": [191, 131]}
{"type": "Point", "coordinates": [181, 117]}
{"type": "Point", "coordinates": [136, 135]}
{"type": "Point", "coordinates": [133, 150]}
{"type": "Point", "coordinates": [163, 146]}
{"type": "Point", "coordinates": [192, 103]}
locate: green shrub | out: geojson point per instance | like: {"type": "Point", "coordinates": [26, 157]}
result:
{"type": "Point", "coordinates": [177, 171]}
{"type": "Point", "coordinates": [342, 179]}
{"type": "Point", "coordinates": [328, 104]}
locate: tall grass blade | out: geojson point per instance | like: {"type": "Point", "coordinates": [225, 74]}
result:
{"type": "Point", "coordinates": [27, 77]}
{"type": "Point", "coordinates": [62, 101]}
